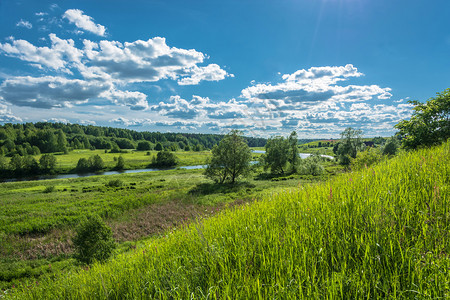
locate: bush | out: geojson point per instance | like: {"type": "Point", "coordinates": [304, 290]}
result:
{"type": "Point", "coordinates": [391, 147]}
{"type": "Point", "coordinates": [165, 159]}
{"type": "Point", "coordinates": [366, 158]}
{"type": "Point", "coordinates": [120, 163]}
{"type": "Point", "coordinates": [311, 166]}
{"type": "Point", "coordinates": [115, 183]}
{"type": "Point", "coordinates": [96, 162]}
{"type": "Point", "coordinates": [49, 189]}
{"type": "Point", "coordinates": [93, 240]}
{"type": "Point", "coordinates": [144, 146]}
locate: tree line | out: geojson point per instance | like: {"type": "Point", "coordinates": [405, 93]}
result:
{"type": "Point", "coordinates": [44, 137]}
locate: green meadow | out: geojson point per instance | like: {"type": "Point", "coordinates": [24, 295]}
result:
{"type": "Point", "coordinates": [133, 159]}
{"type": "Point", "coordinates": [377, 233]}
{"type": "Point", "coordinates": [37, 217]}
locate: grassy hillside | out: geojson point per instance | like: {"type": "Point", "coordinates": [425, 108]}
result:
{"type": "Point", "coordinates": [379, 233]}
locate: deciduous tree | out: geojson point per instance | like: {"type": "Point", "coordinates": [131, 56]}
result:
{"type": "Point", "coordinates": [230, 159]}
{"type": "Point", "coordinates": [430, 123]}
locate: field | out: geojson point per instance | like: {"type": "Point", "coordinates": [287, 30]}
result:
{"type": "Point", "coordinates": [66, 163]}
{"type": "Point", "coordinates": [37, 217]}
{"type": "Point", "coordinates": [378, 233]}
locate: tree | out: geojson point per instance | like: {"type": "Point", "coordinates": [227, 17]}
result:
{"type": "Point", "coordinates": [120, 163]}
{"type": "Point", "coordinates": [93, 240]}
{"type": "Point", "coordinates": [47, 163]}
{"type": "Point", "coordinates": [230, 159]}
{"type": "Point", "coordinates": [61, 142]}
{"type": "Point", "coordinates": [96, 163]}
{"type": "Point", "coordinates": [30, 165]}
{"type": "Point", "coordinates": [144, 146]}
{"type": "Point", "coordinates": [391, 146]}
{"type": "Point", "coordinates": [429, 124]}
{"type": "Point", "coordinates": [293, 151]}
{"type": "Point", "coordinates": [277, 154]}
{"type": "Point", "coordinates": [311, 166]}
{"type": "Point", "coordinates": [351, 142]}
{"type": "Point", "coordinates": [83, 165]}
{"type": "Point", "coordinates": [158, 147]}
{"type": "Point", "coordinates": [16, 163]}
{"type": "Point", "coordinates": [165, 159]}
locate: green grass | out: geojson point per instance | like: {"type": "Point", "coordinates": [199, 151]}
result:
{"type": "Point", "coordinates": [378, 233]}
{"type": "Point", "coordinates": [36, 217]}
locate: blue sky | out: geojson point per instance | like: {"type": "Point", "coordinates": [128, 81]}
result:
{"type": "Point", "coordinates": [264, 67]}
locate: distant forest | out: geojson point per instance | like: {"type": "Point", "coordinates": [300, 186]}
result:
{"type": "Point", "coordinates": [43, 137]}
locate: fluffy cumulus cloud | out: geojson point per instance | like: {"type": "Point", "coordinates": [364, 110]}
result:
{"type": "Point", "coordinates": [314, 85]}
{"type": "Point", "coordinates": [61, 55]}
{"type": "Point", "coordinates": [211, 72]}
{"type": "Point", "coordinates": [201, 108]}
{"type": "Point", "coordinates": [84, 22]}
{"type": "Point", "coordinates": [102, 69]}
{"type": "Point", "coordinates": [134, 100]}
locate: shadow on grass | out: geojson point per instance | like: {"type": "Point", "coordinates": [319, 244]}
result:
{"type": "Point", "coordinates": [269, 176]}
{"type": "Point", "coordinates": [216, 188]}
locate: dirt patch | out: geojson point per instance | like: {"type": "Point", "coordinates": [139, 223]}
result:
{"type": "Point", "coordinates": [155, 219]}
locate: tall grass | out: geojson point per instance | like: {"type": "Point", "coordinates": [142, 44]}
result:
{"type": "Point", "coordinates": [378, 233]}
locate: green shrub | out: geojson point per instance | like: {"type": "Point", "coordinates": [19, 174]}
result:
{"type": "Point", "coordinates": [366, 158]}
{"type": "Point", "coordinates": [391, 146]}
{"type": "Point", "coordinates": [49, 189]}
{"type": "Point", "coordinates": [115, 183]}
{"type": "Point", "coordinates": [311, 166]}
{"type": "Point", "coordinates": [93, 240]}
{"type": "Point", "coordinates": [164, 159]}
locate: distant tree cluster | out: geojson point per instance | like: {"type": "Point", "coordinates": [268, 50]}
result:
{"type": "Point", "coordinates": [93, 163]}
{"type": "Point", "coordinates": [27, 165]}
{"type": "Point", "coordinates": [42, 137]}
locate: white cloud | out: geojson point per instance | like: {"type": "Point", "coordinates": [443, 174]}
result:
{"type": "Point", "coordinates": [61, 54]}
{"type": "Point", "coordinates": [139, 61]}
{"type": "Point", "coordinates": [200, 108]}
{"type": "Point", "coordinates": [149, 61]}
{"type": "Point", "coordinates": [6, 116]}
{"type": "Point", "coordinates": [313, 86]}
{"type": "Point", "coordinates": [134, 100]}
{"type": "Point", "coordinates": [82, 21]}
{"type": "Point", "coordinates": [126, 122]}
{"type": "Point", "coordinates": [87, 122]}
{"type": "Point", "coordinates": [57, 120]}
{"type": "Point", "coordinates": [24, 23]}
{"type": "Point", "coordinates": [327, 74]}
{"type": "Point", "coordinates": [211, 72]}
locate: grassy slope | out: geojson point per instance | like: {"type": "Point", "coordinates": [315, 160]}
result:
{"type": "Point", "coordinates": [381, 232]}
